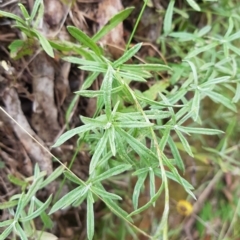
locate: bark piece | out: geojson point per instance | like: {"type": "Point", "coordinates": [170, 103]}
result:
{"type": "Point", "coordinates": [35, 152]}
{"type": "Point", "coordinates": [61, 84]}
{"type": "Point", "coordinates": [45, 114]}
{"type": "Point", "coordinates": [114, 39]}
{"type": "Point", "coordinates": [53, 12]}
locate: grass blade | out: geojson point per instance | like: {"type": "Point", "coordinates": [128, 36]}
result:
{"type": "Point", "coordinates": [112, 23]}
{"type": "Point", "coordinates": [84, 39]}
{"type": "Point", "coordinates": [90, 216]}
{"type": "Point", "coordinates": [167, 24]}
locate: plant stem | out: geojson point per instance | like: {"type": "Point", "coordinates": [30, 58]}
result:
{"type": "Point", "coordinates": [136, 24]}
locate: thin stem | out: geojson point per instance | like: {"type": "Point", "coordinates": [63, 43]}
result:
{"type": "Point", "coordinates": [136, 24]}
{"type": "Point", "coordinates": [164, 223]}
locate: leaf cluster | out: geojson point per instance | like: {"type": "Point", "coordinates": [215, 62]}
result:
{"type": "Point", "coordinates": [134, 133]}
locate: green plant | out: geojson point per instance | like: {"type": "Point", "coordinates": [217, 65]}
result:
{"type": "Point", "coordinates": [140, 133]}
{"type": "Point", "coordinates": [29, 28]}
{"type": "Point", "coordinates": [26, 206]}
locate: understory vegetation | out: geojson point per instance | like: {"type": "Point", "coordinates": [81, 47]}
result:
{"type": "Point", "coordinates": [161, 146]}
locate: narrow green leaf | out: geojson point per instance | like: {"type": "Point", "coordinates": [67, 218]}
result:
{"type": "Point", "coordinates": [15, 46]}
{"type": "Point", "coordinates": [234, 36]}
{"type": "Point", "coordinates": [68, 199]}
{"type": "Point", "coordinates": [141, 149]}
{"type": "Point", "coordinates": [9, 204]}
{"type": "Point", "coordinates": [194, 5]}
{"type": "Point", "coordinates": [104, 194]}
{"type": "Point", "coordinates": [187, 187]}
{"type": "Point", "coordinates": [131, 77]}
{"type": "Point", "coordinates": [127, 55]}
{"type": "Point", "coordinates": [36, 171]}
{"type": "Point", "coordinates": [82, 61]}
{"type": "Point", "coordinates": [230, 27]}
{"type": "Point", "coordinates": [167, 162]}
{"type": "Point", "coordinates": [73, 178]}
{"type": "Point", "coordinates": [105, 159]}
{"type": "Point", "coordinates": [170, 109]}
{"type": "Point", "coordinates": [39, 211]}
{"type": "Point", "coordinates": [182, 36]}
{"type": "Point", "coordinates": [122, 151]}
{"type": "Point", "coordinates": [16, 181]}
{"type": "Point", "coordinates": [20, 231]}
{"type": "Point", "coordinates": [205, 131]}
{"type": "Point", "coordinates": [184, 142]}
{"type": "Point", "coordinates": [145, 67]}
{"type": "Point", "coordinates": [63, 46]}
{"type": "Point", "coordinates": [133, 124]}
{"type": "Point", "coordinates": [147, 205]}
{"type": "Point", "coordinates": [35, 8]}
{"type": "Point", "coordinates": [107, 88]}
{"type": "Point", "coordinates": [219, 98]}
{"type": "Point", "coordinates": [12, 16]}
{"type": "Point", "coordinates": [93, 69]}
{"type": "Point", "coordinates": [24, 11]}
{"type": "Point", "coordinates": [48, 223]}
{"type": "Point", "coordinates": [21, 204]}
{"type": "Point", "coordinates": [39, 17]}
{"type": "Point", "coordinates": [138, 186]}
{"type": "Point", "coordinates": [101, 146]}
{"type": "Point", "coordinates": [6, 223]}
{"type": "Point", "coordinates": [164, 139]}
{"type": "Point", "coordinates": [215, 81]}
{"type": "Point", "coordinates": [35, 186]}
{"type": "Point", "coordinates": [96, 93]}
{"type": "Point", "coordinates": [67, 135]}
{"type": "Point", "coordinates": [177, 96]}
{"type": "Point", "coordinates": [194, 70]}
{"type": "Point", "coordinates": [112, 172]}
{"type": "Point", "coordinates": [32, 206]}
{"type": "Point", "coordinates": [206, 48]}
{"type": "Point", "coordinates": [203, 31]}
{"type": "Point", "coordinates": [196, 104]}
{"type": "Point", "coordinates": [167, 24]}
{"type": "Point", "coordinates": [182, 117]}
{"type": "Point", "coordinates": [27, 226]}
{"type": "Point", "coordinates": [54, 175]}
{"type": "Point", "coordinates": [234, 49]}
{"type": "Point", "coordinates": [152, 184]}
{"type": "Point", "coordinates": [171, 176]}
{"type": "Point", "coordinates": [156, 104]}
{"type": "Point", "coordinates": [142, 170]}
{"type": "Point", "coordinates": [79, 201]}
{"type": "Point", "coordinates": [237, 94]}
{"type": "Point", "coordinates": [116, 209]}
{"type": "Point", "coordinates": [6, 232]}
{"type": "Point", "coordinates": [84, 39]}
{"type": "Point", "coordinates": [100, 105]}
{"type": "Point", "coordinates": [151, 114]}
{"type": "Point", "coordinates": [25, 30]}
{"type": "Point", "coordinates": [111, 140]}
{"type": "Point", "coordinates": [90, 216]}
{"type": "Point", "coordinates": [89, 81]}
{"type": "Point", "coordinates": [70, 108]}
{"type": "Point", "coordinates": [176, 154]}
{"type": "Point", "coordinates": [44, 43]}
{"type": "Point", "coordinates": [99, 122]}
{"type": "Point", "coordinates": [112, 23]}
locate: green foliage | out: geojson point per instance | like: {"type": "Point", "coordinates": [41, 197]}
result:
{"type": "Point", "coordinates": [28, 26]}
{"type": "Point", "coordinates": [25, 207]}
{"type": "Point", "coordinates": [140, 134]}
